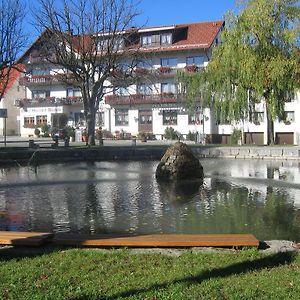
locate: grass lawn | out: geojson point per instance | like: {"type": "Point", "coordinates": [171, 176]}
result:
{"type": "Point", "coordinates": [120, 274]}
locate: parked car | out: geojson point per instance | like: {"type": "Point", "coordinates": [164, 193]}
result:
{"type": "Point", "coordinates": [59, 133]}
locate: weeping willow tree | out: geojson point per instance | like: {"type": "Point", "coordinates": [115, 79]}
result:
{"type": "Point", "coordinates": [258, 60]}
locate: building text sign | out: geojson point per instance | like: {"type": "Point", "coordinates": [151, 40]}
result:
{"type": "Point", "coordinates": [3, 113]}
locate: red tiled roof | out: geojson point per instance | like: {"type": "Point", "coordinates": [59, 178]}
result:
{"type": "Point", "coordinates": [200, 33]}
{"type": "Point", "coordinates": [192, 36]}
{"type": "Point", "coordinates": [14, 74]}
{"type": "Point", "coordinates": [189, 36]}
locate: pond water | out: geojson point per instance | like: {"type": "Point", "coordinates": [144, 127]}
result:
{"type": "Point", "coordinates": [236, 196]}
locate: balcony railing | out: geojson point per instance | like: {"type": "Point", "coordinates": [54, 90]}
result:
{"type": "Point", "coordinates": [45, 80]}
{"type": "Point", "coordinates": [48, 101]}
{"type": "Point", "coordinates": [38, 59]}
{"type": "Point", "coordinates": [141, 99]}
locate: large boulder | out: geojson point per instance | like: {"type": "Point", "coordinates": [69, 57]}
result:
{"type": "Point", "coordinates": [179, 163]}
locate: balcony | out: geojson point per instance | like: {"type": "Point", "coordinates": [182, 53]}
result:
{"type": "Point", "coordinates": [40, 80]}
{"type": "Point", "coordinates": [40, 59]}
{"type": "Point", "coordinates": [141, 99]}
{"type": "Point", "coordinates": [48, 101]}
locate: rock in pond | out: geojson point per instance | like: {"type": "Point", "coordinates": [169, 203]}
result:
{"type": "Point", "coordinates": [179, 163]}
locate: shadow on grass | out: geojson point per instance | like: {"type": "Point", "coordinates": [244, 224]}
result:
{"type": "Point", "coordinates": [20, 252]}
{"type": "Point", "coordinates": [271, 261]}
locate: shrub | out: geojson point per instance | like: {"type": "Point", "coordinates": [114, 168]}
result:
{"type": "Point", "coordinates": [142, 136]}
{"type": "Point", "coordinates": [236, 136]}
{"type": "Point", "coordinates": [69, 131]}
{"type": "Point", "coordinates": [191, 136]}
{"type": "Point", "coordinates": [171, 134]}
{"type": "Point", "coordinates": [37, 132]}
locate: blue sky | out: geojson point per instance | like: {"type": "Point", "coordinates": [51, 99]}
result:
{"type": "Point", "coordinates": [167, 12]}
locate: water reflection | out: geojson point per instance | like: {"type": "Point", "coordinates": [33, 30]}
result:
{"type": "Point", "coordinates": [236, 196]}
{"type": "Point", "coordinates": [181, 191]}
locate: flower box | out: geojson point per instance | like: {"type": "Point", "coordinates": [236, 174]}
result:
{"type": "Point", "coordinates": [164, 69]}
{"type": "Point", "coordinates": [191, 68]}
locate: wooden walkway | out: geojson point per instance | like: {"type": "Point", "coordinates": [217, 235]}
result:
{"type": "Point", "coordinates": [24, 238]}
{"type": "Point", "coordinates": [152, 240]}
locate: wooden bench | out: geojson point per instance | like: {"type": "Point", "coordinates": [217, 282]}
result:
{"type": "Point", "coordinates": [157, 240]}
{"type": "Point", "coordinates": [108, 240]}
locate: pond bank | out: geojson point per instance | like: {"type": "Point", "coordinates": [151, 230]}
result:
{"type": "Point", "coordinates": [155, 152]}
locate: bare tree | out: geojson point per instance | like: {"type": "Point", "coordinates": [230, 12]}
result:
{"type": "Point", "coordinates": [12, 39]}
{"type": "Point", "coordinates": [91, 41]}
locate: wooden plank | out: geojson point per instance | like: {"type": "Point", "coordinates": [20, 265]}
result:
{"type": "Point", "coordinates": [24, 238]}
{"type": "Point", "coordinates": [157, 240]}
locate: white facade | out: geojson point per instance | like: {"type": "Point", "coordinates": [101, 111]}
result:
{"type": "Point", "coordinates": [151, 104]}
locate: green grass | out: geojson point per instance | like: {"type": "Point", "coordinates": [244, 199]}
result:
{"type": "Point", "coordinates": [119, 274]}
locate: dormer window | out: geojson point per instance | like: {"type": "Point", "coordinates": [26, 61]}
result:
{"type": "Point", "coordinates": [166, 38]}
{"type": "Point", "coordinates": [116, 43]}
{"type": "Point", "coordinates": [146, 40]}
{"type": "Point", "coordinates": [102, 45]}
{"type": "Point", "coordinates": [40, 71]}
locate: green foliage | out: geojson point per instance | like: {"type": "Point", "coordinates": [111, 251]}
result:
{"type": "Point", "coordinates": [171, 134]}
{"type": "Point", "coordinates": [191, 136]}
{"type": "Point", "coordinates": [69, 131]}
{"type": "Point", "coordinates": [37, 132]}
{"type": "Point", "coordinates": [257, 59]}
{"type": "Point", "coordinates": [236, 136]}
{"type": "Point", "coordinates": [45, 129]}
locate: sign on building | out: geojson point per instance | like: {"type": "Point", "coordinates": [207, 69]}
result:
{"type": "Point", "coordinates": [3, 113]}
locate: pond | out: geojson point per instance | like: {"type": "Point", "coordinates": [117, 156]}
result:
{"type": "Point", "coordinates": [236, 196]}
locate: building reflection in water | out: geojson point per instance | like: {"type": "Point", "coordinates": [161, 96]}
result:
{"type": "Point", "coordinates": [236, 196]}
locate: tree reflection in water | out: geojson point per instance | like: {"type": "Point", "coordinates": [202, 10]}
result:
{"type": "Point", "coordinates": [242, 196]}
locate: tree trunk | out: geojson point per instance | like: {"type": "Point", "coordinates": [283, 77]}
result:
{"type": "Point", "coordinates": [270, 127]}
{"type": "Point", "coordinates": [91, 127]}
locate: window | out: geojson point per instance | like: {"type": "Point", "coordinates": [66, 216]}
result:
{"type": "Point", "coordinates": [100, 118]}
{"type": "Point", "coordinates": [194, 119]}
{"type": "Point", "coordinates": [169, 117]}
{"type": "Point", "coordinates": [121, 117]}
{"type": "Point", "coordinates": [145, 64]}
{"type": "Point", "coordinates": [28, 122]}
{"type": "Point", "coordinates": [40, 94]}
{"type": "Point", "coordinates": [168, 88]}
{"type": "Point", "coordinates": [195, 60]}
{"type": "Point", "coordinates": [73, 92]}
{"type": "Point", "coordinates": [122, 91]}
{"type": "Point", "coordinates": [145, 119]}
{"type": "Point", "coordinates": [166, 38]}
{"type": "Point", "coordinates": [144, 89]}
{"type": "Point", "coordinates": [168, 62]}
{"type": "Point", "coordinates": [39, 71]}
{"type": "Point", "coordinates": [289, 117]}
{"type": "Point", "coordinates": [102, 45]}
{"type": "Point", "coordinates": [40, 120]}
{"type": "Point", "coordinates": [257, 117]}
{"type": "Point", "coordinates": [118, 43]}
{"type": "Point", "coordinates": [146, 40]}
{"type": "Point", "coordinates": [79, 119]}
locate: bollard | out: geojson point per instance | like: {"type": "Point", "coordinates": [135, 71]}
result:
{"type": "Point", "coordinates": [67, 142]}
{"type": "Point", "coordinates": [56, 140]}
{"type": "Point", "coordinates": [31, 144]}
{"type": "Point", "coordinates": [133, 142]}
